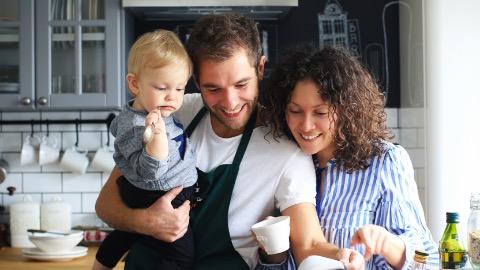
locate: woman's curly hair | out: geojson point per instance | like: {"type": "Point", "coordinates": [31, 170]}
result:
{"type": "Point", "coordinates": [350, 90]}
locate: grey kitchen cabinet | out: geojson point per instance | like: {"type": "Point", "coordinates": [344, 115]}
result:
{"type": "Point", "coordinates": [17, 72]}
{"type": "Point", "coordinates": [77, 56]}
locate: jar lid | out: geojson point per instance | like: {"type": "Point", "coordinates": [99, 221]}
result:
{"type": "Point", "coordinates": [56, 203]}
{"type": "Point", "coordinates": [420, 256]}
{"type": "Point", "coordinates": [475, 201]}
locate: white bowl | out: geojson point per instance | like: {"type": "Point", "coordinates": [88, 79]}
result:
{"type": "Point", "coordinates": [49, 242]}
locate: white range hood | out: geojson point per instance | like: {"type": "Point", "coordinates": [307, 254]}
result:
{"type": "Point", "coordinates": [168, 10]}
{"type": "Point", "coordinates": [213, 3]}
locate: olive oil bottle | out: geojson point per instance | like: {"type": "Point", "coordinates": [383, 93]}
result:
{"type": "Point", "coordinates": [453, 254]}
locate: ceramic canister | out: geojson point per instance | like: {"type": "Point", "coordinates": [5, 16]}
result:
{"type": "Point", "coordinates": [55, 215]}
{"type": "Point", "coordinates": [24, 215]}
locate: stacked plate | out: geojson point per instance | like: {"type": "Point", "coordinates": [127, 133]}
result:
{"type": "Point", "coordinates": [40, 255]}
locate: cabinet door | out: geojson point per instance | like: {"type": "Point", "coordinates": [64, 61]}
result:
{"type": "Point", "coordinates": [16, 55]}
{"type": "Point", "coordinates": [78, 54]}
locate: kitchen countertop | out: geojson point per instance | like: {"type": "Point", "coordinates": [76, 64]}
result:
{"type": "Point", "coordinates": [11, 258]}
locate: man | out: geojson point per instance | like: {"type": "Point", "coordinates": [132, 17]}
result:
{"type": "Point", "coordinates": [244, 174]}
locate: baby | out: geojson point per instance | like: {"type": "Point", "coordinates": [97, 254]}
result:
{"type": "Point", "coordinates": [152, 164]}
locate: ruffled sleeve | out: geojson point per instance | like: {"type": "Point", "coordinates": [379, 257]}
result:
{"type": "Point", "coordinates": [400, 210]}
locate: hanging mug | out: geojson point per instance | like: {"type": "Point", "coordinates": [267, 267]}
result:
{"type": "Point", "coordinates": [48, 151]}
{"type": "Point", "coordinates": [103, 160]}
{"type": "Point", "coordinates": [28, 155]}
{"type": "Point", "coordinates": [75, 160]}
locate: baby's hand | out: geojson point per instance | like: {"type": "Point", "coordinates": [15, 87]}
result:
{"type": "Point", "coordinates": [154, 124]}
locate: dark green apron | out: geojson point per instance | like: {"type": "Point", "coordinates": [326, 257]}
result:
{"type": "Point", "coordinates": [209, 219]}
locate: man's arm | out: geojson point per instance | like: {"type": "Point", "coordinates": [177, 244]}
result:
{"type": "Point", "coordinates": [306, 239]}
{"type": "Point", "coordinates": [160, 220]}
{"type": "Point", "coordinates": [306, 236]}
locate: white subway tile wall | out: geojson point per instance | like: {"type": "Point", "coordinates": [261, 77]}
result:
{"type": "Point", "coordinates": [411, 123]}
{"type": "Point", "coordinates": [81, 191]}
{"type": "Point", "coordinates": [42, 183]}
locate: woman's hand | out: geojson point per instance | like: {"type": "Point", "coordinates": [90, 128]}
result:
{"type": "Point", "coordinates": [352, 259]}
{"type": "Point", "coordinates": [374, 238]}
{"type": "Point", "coordinates": [378, 241]}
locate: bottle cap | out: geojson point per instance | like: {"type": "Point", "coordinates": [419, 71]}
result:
{"type": "Point", "coordinates": [453, 217]}
{"type": "Point", "coordinates": [421, 253]}
{"type": "Point", "coordinates": [420, 256]}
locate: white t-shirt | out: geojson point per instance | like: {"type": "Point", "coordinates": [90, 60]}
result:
{"type": "Point", "coordinates": [273, 175]}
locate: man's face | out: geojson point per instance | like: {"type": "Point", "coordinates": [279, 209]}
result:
{"type": "Point", "coordinates": [230, 91]}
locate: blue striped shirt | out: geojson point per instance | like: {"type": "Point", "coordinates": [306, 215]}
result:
{"type": "Point", "coordinates": [384, 194]}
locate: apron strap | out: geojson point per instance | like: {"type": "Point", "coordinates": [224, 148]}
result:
{"type": "Point", "coordinates": [245, 138]}
{"type": "Point", "coordinates": [195, 121]}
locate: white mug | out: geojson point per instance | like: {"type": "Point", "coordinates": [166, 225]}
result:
{"type": "Point", "coordinates": [28, 155]}
{"type": "Point", "coordinates": [75, 160]}
{"type": "Point", "coordinates": [48, 151]}
{"type": "Point", "coordinates": [103, 160]}
{"type": "Point", "coordinates": [273, 234]}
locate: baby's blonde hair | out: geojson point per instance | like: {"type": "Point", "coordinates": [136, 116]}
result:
{"type": "Point", "coordinates": [157, 49]}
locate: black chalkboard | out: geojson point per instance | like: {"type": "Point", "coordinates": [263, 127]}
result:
{"type": "Point", "coordinates": [369, 28]}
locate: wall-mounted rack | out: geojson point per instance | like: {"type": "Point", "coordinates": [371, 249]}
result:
{"type": "Point", "coordinates": [75, 122]}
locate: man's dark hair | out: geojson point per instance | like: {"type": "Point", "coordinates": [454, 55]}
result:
{"type": "Point", "coordinates": [217, 37]}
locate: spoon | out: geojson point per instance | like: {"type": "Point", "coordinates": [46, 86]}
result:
{"type": "Point", "coordinates": [44, 231]}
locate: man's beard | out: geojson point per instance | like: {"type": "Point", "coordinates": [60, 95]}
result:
{"type": "Point", "coordinates": [251, 105]}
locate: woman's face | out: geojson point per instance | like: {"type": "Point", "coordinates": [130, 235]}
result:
{"type": "Point", "coordinates": [311, 120]}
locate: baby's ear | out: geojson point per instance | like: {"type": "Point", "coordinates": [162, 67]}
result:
{"type": "Point", "coordinates": [132, 84]}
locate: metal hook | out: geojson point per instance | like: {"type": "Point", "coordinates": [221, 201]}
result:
{"type": "Point", "coordinates": [48, 127]}
{"type": "Point", "coordinates": [109, 122]}
{"type": "Point", "coordinates": [108, 135]}
{"type": "Point", "coordinates": [32, 123]}
{"type": "Point", "coordinates": [77, 122]}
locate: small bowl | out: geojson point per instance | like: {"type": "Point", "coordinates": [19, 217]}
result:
{"type": "Point", "coordinates": [49, 242]}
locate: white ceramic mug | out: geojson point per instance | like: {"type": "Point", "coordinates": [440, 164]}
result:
{"type": "Point", "coordinates": [103, 160]}
{"type": "Point", "coordinates": [48, 151]}
{"type": "Point", "coordinates": [75, 160]}
{"type": "Point", "coordinates": [28, 155]}
{"type": "Point", "coordinates": [273, 234]}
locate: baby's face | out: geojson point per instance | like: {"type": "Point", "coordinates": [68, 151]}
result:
{"type": "Point", "coordinates": [162, 88]}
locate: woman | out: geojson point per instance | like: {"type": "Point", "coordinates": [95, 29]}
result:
{"type": "Point", "coordinates": [366, 193]}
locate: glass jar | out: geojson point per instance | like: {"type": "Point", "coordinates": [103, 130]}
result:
{"type": "Point", "coordinates": [473, 230]}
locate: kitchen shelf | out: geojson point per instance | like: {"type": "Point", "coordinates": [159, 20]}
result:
{"type": "Point", "coordinates": [8, 38]}
{"type": "Point", "coordinates": [85, 37]}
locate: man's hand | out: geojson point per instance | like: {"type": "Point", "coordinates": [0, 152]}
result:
{"type": "Point", "coordinates": [375, 238]}
{"type": "Point", "coordinates": [351, 259]}
{"type": "Point", "coordinates": [265, 258]}
{"type": "Point", "coordinates": [164, 222]}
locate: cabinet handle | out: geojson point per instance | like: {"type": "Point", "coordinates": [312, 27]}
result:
{"type": "Point", "coordinates": [26, 101]}
{"type": "Point", "coordinates": [42, 100]}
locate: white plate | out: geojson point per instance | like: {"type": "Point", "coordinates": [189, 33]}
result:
{"type": "Point", "coordinates": [54, 257]}
{"type": "Point", "coordinates": [38, 252]}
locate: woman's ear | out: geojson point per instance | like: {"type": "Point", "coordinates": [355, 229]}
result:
{"type": "Point", "coordinates": [261, 67]}
{"type": "Point", "coordinates": [132, 84]}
